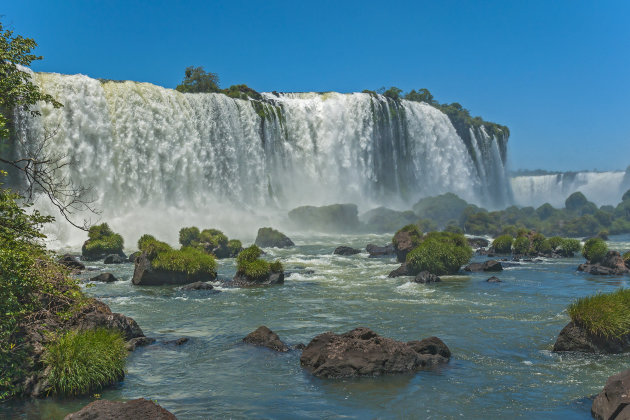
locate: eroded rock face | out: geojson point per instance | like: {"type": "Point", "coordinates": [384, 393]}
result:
{"type": "Point", "coordinates": [264, 337]}
{"type": "Point", "coordinates": [403, 243]}
{"type": "Point", "coordinates": [268, 238]}
{"type": "Point", "coordinates": [490, 265]}
{"type": "Point", "coordinates": [145, 275]}
{"type": "Point", "coordinates": [140, 409]}
{"type": "Point", "coordinates": [612, 265]}
{"type": "Point", "coordinates": [346, 250]}
{"type": "Point", "coordinates": [71, 262]}
{"type": "Point", "coordinates": [362, 352]}
{"type": "Point", "coordinates": [376, 251]}
{"type": "Point", "coordinates": [98, 315]}
{"type": "Point", "coordinates": [114, 259]}
{"type": "Point", "coordinates": [613, 403]}
{"type": "Point", "coordinates": [426, 277]}
{"type": "Point", "coordinates": [575, 338]}
{"type": "Point", "coordinates": [400, 271]}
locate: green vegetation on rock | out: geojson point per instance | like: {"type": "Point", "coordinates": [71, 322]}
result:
{"type": "Point", "coordinates": [595, 250]}
{"type": "Point", "coordinates": [440, 253]}
{"type": "Point", "coordinates": [152, 246]}
{"type": "Point", "coordinates": [605, 315]}
{"type": "Point", "coordinates": [188, 260]}
{"type": "Point", "coordinates": [503, 244]}
{"type": "Point", "coordinates": [269, 237]}
{"type": "Point", "coordinates": [249, 263]}
{"type": "Point", "coordinates": [85, 361]}
{"type": "Point", "coordinates": [101, 242]}
{"type": "Point", "coordinates": [211, 241]}
{"type": "Point", "coordinates": [521, 245]}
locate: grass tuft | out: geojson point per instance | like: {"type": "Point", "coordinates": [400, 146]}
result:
{"type": "Point", "coordinates": [606, 315]}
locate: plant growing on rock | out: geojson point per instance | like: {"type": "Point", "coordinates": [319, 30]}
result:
{"type": "Point", "coordinates": [234, 247]}
{"type": "Point", "coordinates": [253, 267]}
{"type": "Point", "coordinates": [568, 247]}
{"type": "Point", "coordinates": [84, 361]}
{"type": "Point", "coordinates": [503, 244]}
{"type": "Point", "coordinates": [152, 247]}
{"type": "Point", "coordinates": [440, 253]}
{"type": "Point", "coordinates": [521, 245]}
{"type": "Point", "coordinates": [188, 236]}
{"type": "Point", "coordinates": [188, 260]}
{"type": "Point", "coordinates": [595, 250]}
{"type": "Point", "coordinates": [605, 315]}
{"type": "Point", "coordinates": [101, 242]}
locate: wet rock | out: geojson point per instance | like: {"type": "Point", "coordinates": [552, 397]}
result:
{"type": "Point", "coordinates": [133, 256]}
{"type": "Point", "coordinates": [145, 275]}
{"type": "Point", "coordinates": [426, 277]}
{"type": "Point", "coordinates": [494, 279]}
{"type": "Point", "coordinates": [575, 338]}
{"type": "Point", "coordinates": [264, 337]}
{"type": "Point", "coordinates": [346, 250]}
{"type": "Point", "coordinates": [97, 314]}
{"type": "Point", "coordinates": [400, 271]}
{"type": "Point", "coordinates": [376, 251]}
{"type": "Point", "coordinates": [490, 265]}
{"type": "Point", "coordinates": [477, 243]}
{"type": "Point", "coordinates": [613, 403]}
{"type": "Point", "coordinates": [271, 238]}
{"type": "Point", "coordinates": [198, 285]}
{"type": "Point", "coordinates": [299, 346]}
{"type": "Point", "coordinates": [178, 342]}
{"type": "Point", "coordinates": [105, 278]}
{"type": "Point", "coordinates": [362, 352]}
{"type": "Point", "coordinates": [404, 241]}
{"type": "Point", "coordinates": [241, 280]}
{"type": "Point", "coordinates": [140, 409]}
{"type": "Point", "coordinates": [612, 264]}
{"type": "Point", "coordinates": [71, 262]}
{"type": "Point", "coordinates": [113, 259]}
{"type": "Point", "coordinates": [132, 344]}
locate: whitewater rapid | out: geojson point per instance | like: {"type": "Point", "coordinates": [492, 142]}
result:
{"type": "Point", "coordinates": [158, 159]}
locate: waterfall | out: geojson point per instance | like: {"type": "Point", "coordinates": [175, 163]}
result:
{"type": "Point", "coordinates": [600, 187]}
{"type": "Point", "coordinates": [158, 159]}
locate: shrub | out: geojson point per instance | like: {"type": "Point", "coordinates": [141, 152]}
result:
{"type": "Point", "coordinates": [503, 244]}
{"type": "Point", "coordinates": [188, 235]}
{"type": "Point", "coordinates": [575, 201]}
{"type": "Point", "coordinates": [144, 240]}
{"type": "Point", "coordinates": [626, 256]}
{"type": "Point", "coordinates": [415, 234]}
{"type": "Point", "coordinates": [555, 242]}
{"type": "Point", "coordinates": [256, 270]}
{"type": "Point", "coordinates": [439, 253]}
{"type": "Point", "coordinates": [234, 247]}
{"type": "Point", "coordinates": [521, 245]}
{"type": "Point", "coordinates": [248, 255]}
{"type": "Point", "coordinates": [595, 250]}
{"type": "Point", "coordinates": [605, 315]}
{"type": "Point", "coordinates": [276, 267]}
{"type": "Point", "coordinates": [569, 247]}
{"type": "Point", "coordinates": [102, 241]}
{"type": "Point", "coordinates": [453, 228]}
{"type": "Point", "coordinates": [152, 246]}
{"type": "Point", "coordinates": [85, 361]}
{"type": "Point", "coordinates": [189, 260]}
{"type": "Point", "coordinates": [212, 238]}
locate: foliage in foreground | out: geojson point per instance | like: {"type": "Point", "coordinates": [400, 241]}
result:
{"type": "Point", "coordinates": [606, 315]}
{"type": "Point", "coordinates": [85, 361]}
{"type": "Point", "coordinates": [252, 266]}
{"type": "Point", "coordinates": [439, 253]}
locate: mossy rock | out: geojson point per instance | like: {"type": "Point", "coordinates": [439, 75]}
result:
{"type": "Point", "coordinates": [270, 238]}
{"type": "Point", "coordinates": [251, 270]}
{"type": "Point", "coordinates": [102, 241]}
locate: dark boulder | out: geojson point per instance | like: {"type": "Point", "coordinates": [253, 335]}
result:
{"type": "Point", "coordinates": [71, 262]}
{"type": "Point", "coordinates": [114, 259]}
{"type": "Point", "coordinates": [132, 344]}
{"type": "Point", "coordinates": [178, 342]}
{"type": "Point", "coordinates": [613, 403]}
{"type": "Point", "coordinates": [575, 338]}
{"type": "Point", "coordinates": [105, 278]}
{"type": "Point", "coordinates": [400, 271]}
{"type": "Point", "coordinates": [133, 256]}
{"type": "Point", "coordinates": [362, 352]}
{"type": "Point", "coordinates": [426, 277]}
{"type": "Point", "coordinates": [140, 409]}
{"type": "Point", "coordinates": [145, 275]}
{"type": "Point", "coordinates": [612, 264]}
{"type": "Point", "coordinates": [199, 285]}
{"type": "Point", "coordinates": [346, 250]}
{"type": "Point", "coordinates": [271, 238]}
{"type": "Point", "coordinates": [264, 337]}
{"type": "Point", "coordinates": [477, 243]}
{"type": "Point", "coordinates": [376, 251]}
{"type": "Point", "coordinates": [97, 314]}
{"type": "Point", "coordinates": [494, 279]}
{"type": "Point", "coordinates": [241, 280]}
{"type": "Point", "coordinates": [490, 265]}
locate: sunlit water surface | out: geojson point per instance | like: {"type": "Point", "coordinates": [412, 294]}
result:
{"type": "Point", "coordinates": [500, 336]}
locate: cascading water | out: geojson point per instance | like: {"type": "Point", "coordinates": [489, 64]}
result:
{"type": "Point", "coordinates": [159, 159]}
{"type": "Point", "coordinates": [600, 187]}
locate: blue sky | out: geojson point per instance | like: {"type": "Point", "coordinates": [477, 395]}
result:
{"type": "Point", "coordinates": [556, 72]}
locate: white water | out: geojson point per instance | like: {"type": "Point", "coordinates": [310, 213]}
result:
{"type": "Point", "coordinates": [158, 159]}
{"type": "Point", "coordinates": [600, 187]}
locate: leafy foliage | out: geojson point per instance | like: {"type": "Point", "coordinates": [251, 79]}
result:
{"type": "Point", "coordinates": [415, 234]}
{"type": "Point", "coordinates": [503, 244]}
{"type": "Point", "coordinates": [152, 246]}
{"type": "Point", "coordinates": [595, 250]}
{"type": "Point", "coordinates": [521, 245]}
{"type": "Point", "coordinates": [249, 264]}
{"type": "Point", "coordinates": [189, 260]}
{"type": "Point", "coordinates": [85, 361]}
{"type": "Point", "coordinates": [197, 80]}
{"type": "Point", "coordinates": [604, 315]}
{"type": "Point", "coordinates": [439, 253]}
{"type": "Point", "coordinates": [188, 235]}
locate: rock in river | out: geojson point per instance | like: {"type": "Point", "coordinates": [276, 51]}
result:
{"type": "Point", "coordinates": [613, 403]}
{"type": "Point", "coordinates": [105, 278]}
{"type": "Point", "coordinates": [362, 352]}
{"type": "Point", "coordinates": [426, 277]}
{"type": "Point", "coordinates": [264, 337]}
{"type": "Point", "coordinates": [140, 409]}
{"type": "Point", "coordinates": [346, 250]}
{"type": "Point", "coordinates": [490, 265]}
{"type": "Point", "coordinates": [575, 338]}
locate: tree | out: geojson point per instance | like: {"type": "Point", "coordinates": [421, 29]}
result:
{"type": "Point", "coordinates": [393, 92]}
{"type": "Point", "coordinates": [41, 168]}
{"type": "Point", "coordinates": [422, 95]}
{"type": "Point", "coordinates": [197, 80]}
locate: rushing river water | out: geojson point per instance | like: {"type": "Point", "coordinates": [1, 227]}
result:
{"type": "Point", "coordinates": [500, 336]}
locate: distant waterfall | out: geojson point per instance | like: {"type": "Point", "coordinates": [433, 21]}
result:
{"type": "Point", "coordinates": [151, 152]}
{"type": "Point", "coordinates": [600, 187]}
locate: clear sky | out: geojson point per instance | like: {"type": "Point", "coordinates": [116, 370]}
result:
{"type": "Point", "coordinates": [556, 72]}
